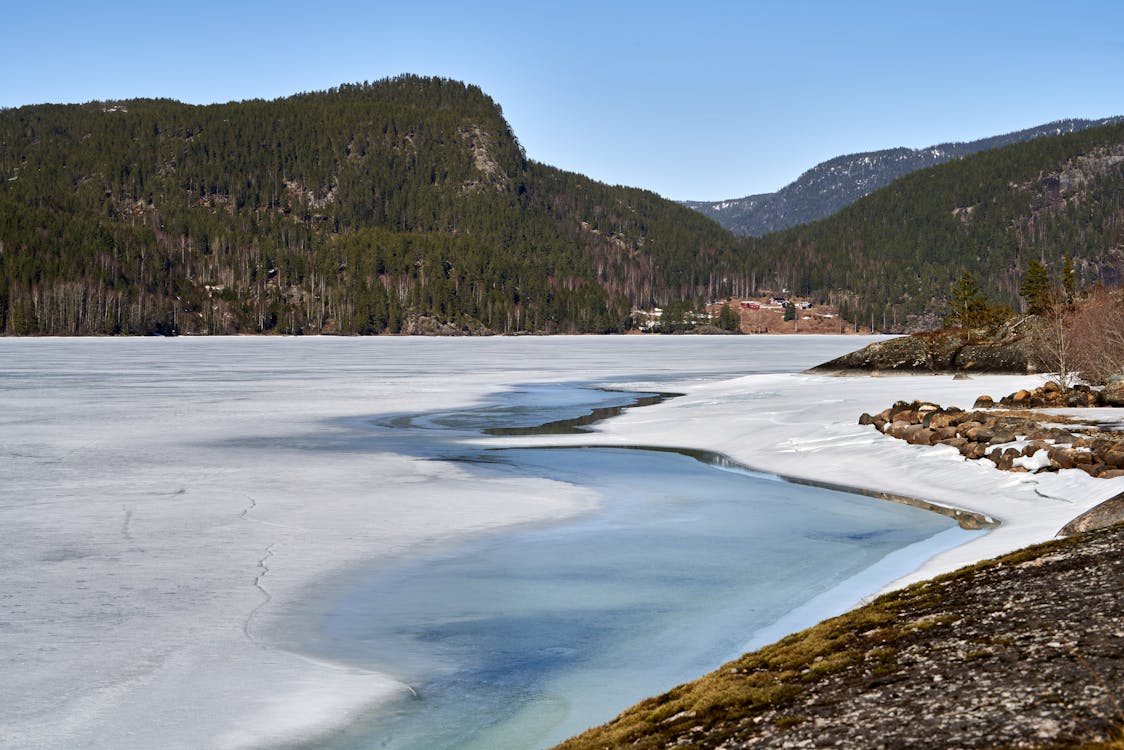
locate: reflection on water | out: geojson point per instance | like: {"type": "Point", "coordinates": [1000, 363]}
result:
{"type": "Point", "coordinates": [534, 409]}
{"type": "Point", "coordinates": [523, 638]}
{"type": "Point", "coordinates": [572, 425]}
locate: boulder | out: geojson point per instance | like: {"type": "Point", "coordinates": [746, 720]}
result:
{"type": "Point", "coordinates": [979, 434]}
{"type": "Point", "coordinates": [956, 442]}
{"type": "Point", "coordinates": [1063, 458]}
{"type": "Point", "coordinates": [909, 416]}
{"type": "Point", "coordinates": [974, 450]}
{"type": "Point", "coordinates": [982, 434]}
{"type": "Point", "coordinates": [1004, 459]}
{"type": "Point", "coordinates": [984, 402]}
{"type": "Point", "coordinates": [1109, 512]}
{"type": "Point", "coordinates": [965, 427]}
{"type": "Point", "coordinates": [1113, 393]}
{"type": "Point", "coordinates": [944, 433]}
{"type": "Point", "coordinates": [940, 420]}
{"type": "Point", "coordinates": [917, 435]}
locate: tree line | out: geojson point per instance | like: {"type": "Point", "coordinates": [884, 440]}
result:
{"type": "Point", "coordinates": [893, 256]}
{"type": "Point", "coordinates": [362, 209]}
{"type": "Point", "coordinates": [407, 204]}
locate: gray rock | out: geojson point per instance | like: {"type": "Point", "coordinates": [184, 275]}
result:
{"type": "Point", "coordinates": [1113, 393]}
{"type": "Point", "coordinates": [935, 352]}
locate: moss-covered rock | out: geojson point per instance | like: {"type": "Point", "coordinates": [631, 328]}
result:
{"type": "Point", "coordinates": [941, 351]}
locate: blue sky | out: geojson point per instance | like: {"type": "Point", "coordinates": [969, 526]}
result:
{"type": "Point", "coordinates": [703, 100]}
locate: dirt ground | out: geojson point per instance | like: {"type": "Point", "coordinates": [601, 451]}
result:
{"type": "Point", "coordinates": [769, 318]}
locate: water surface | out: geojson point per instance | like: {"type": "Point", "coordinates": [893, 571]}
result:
{"type": "Point", "coordinates": [522, 638]}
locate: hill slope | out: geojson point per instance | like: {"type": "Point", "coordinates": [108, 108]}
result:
{"type": "Point", "coordinates": [408, 206]}
{"type": "Point", "coordinates": [896, 252]}
{"type": "Point", "coordinates": [834, 184]}
{"type": "Point", "coordinates": [405, 205]}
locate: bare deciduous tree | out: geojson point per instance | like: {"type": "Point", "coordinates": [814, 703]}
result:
{"type": "Point", "coordinates": [1053, 346]}
{"type": "Point", "coordinates": [1097, 330]}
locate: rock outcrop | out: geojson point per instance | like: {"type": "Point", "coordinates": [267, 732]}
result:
{"type": "Point", "coordinates": [1113, 393]}
{"type": "Point", "coordinates": [937, 352]}
{"type": "Point", "coordinates": [1108, 513]}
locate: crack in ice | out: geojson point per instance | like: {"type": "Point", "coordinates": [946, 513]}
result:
{"type": "Point", "coordinates": [125, 531]}
{"type": "Point", "coordinates": [247, 627]}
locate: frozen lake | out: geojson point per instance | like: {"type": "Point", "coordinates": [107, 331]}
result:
{"type": "Point", "coordinates": [281, 535]}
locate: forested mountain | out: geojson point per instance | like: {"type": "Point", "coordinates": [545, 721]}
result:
{"type": "Point", "coordinates": [404, 205]}
{"type": "Point", "coordinates": [896, 252]}
{"type": "Point", "coordinates": [833, 184]}
{"type": "Point", "coordinates": [408, 206]}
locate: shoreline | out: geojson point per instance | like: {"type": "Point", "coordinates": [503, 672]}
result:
{"type": "Point", "coordinates": [843, 590]}
{"type": "Point", "coordinates": [803, 427]}
{"type": "Point", "coordinates": [918, 561]}
{"type": "Point", "coordinates": [268, 486]}
{"type": "Point", "coordinates": [820, 444]}
{"type": "Point", "coordinates": [966, 519]}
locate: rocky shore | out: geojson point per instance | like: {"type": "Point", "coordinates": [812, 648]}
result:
{"type": "Point", "coordinates": [1026, 650]}
{"type": "Point", "coordinates": [1023, 651]}
{"type": "Point", "coordinates": [1014, 438]}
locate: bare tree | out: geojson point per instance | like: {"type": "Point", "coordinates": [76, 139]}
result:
{"type": "Point", "coordinates": [1097, 326]}
{"type": "Point", "coordinates": [1053, 346]}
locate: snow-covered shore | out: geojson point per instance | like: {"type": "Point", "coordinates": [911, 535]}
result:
{"type": "Point", "coordinates": [805, 426]}
{"type": "Point", "coordinates": [161, 500]}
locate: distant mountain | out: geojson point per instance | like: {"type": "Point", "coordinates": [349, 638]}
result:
{"type": "Point", "coordinates": [890, 258]}
{"type": "Point", "coordinates": [831, 185]}
{"type": "Point", "coordinates": [401, 206]}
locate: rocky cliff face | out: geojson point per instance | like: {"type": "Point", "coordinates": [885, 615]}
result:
{"type": "Point", "coordinates": [1023, 651]}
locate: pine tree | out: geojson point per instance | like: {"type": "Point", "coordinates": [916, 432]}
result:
{"type": "Point", "coordinates": [970, 308]}
{"type": "Point", "coordinates": [728, 319]}
{"type": "Point", "coordinates": [1037, 289]}
{"type": "Point", "coordinates": [1069, 280]}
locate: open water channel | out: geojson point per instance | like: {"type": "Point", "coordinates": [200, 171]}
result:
{"type": "Point", "coordinates": [521, 638]}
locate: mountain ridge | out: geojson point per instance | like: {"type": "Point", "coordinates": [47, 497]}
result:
{"type": "Point", "coordinates": [834, 184]}
{"type": "Point", "coordinates": [406, 205]}
{"type": "Point", "coordinates": [892, 257]}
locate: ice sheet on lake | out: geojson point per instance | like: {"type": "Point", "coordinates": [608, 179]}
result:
{"type": "Point", "coordinates": [158, 500]}
{"type": "Point", "coordinates": [155, 492]}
